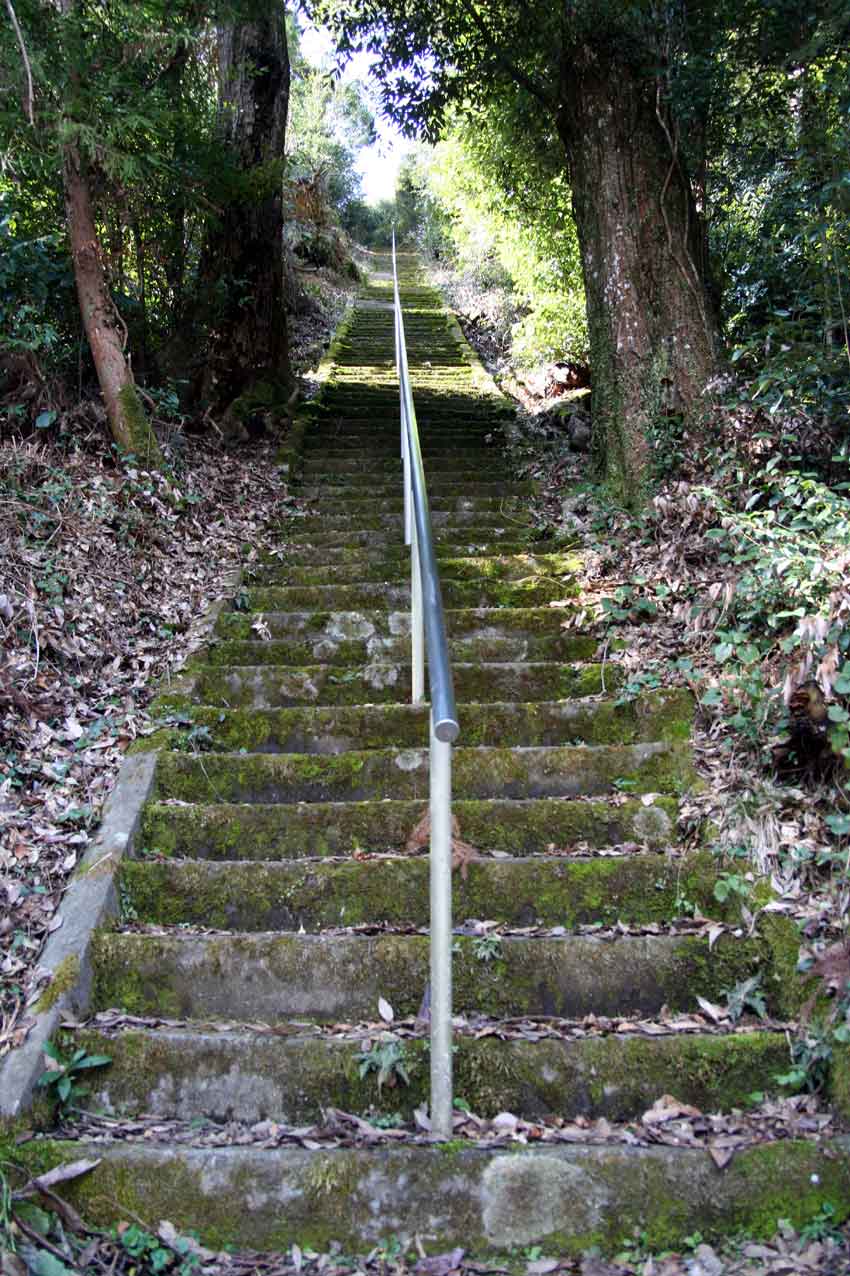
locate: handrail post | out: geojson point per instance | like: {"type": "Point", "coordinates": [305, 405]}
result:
{"type": "Point", "coordinates": [441, 937]}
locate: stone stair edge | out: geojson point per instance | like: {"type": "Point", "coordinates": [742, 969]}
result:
{"type": "Point", "coordinates": [485, 1200]}
{"type": "Point", "coordinates": [274, 976]}
{"type": "Point", "coordinates": [188, 1072]}
{"type": "Point", "coordinates": [632, 887]}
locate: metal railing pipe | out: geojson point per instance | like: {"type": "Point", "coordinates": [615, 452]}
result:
{"type": "Point", "coordinates": [428, 634]}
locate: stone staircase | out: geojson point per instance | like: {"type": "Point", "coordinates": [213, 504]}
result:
{"type": "Point", "coordinates": [278, 900]}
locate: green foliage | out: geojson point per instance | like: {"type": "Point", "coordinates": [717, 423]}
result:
{"type": "Point", "coordinates": [62, 1077]}
{"type": "Point", "coordinates": [746, 995]}
{"type": "Point", "coordinates": [157, 1256]}
{"type": "Point", "coordinates": [487, 947]}
{"type": "Point", "coordinates": [732, 885]}
{"type": "Point", "coordinates": [387, 1059]}
{"type": "Point", "coordinates": [499, 209]}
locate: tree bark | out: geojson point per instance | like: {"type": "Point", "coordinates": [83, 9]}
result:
{"type": "Point", "coordinates": [243, 254]}
{"type": "Point", "coordinates": [101, 321]}
{"type": "Point", "coordinates": [652, 325]}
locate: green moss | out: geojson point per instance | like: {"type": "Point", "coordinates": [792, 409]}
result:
{"type": "Point", "coordinates": [142, 440]}
{"type": "Point", "coordinates": [65, 978]}
{"type": "Point", "coordinates": [228, 832]}
{"type": "Point", "coordinates": [266, 896]}
{"type": "Point", "coordinates": [789, 989]}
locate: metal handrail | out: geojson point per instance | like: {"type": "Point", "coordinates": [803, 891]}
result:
{"type": "Point", "coordinates": [428, 634]}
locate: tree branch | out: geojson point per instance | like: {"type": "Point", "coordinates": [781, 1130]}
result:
{"type": "Point", "coordinates": [28, 106]}
{"type": "Point", "coordinates": [519, 76]}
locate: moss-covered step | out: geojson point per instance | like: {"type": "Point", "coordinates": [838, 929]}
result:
{"type": "Point", "coordinates": [447, 470]}
{"type": "Point", "coordinates": [655, 715]}
{"type": "Point", "coordinates": [313, 895]}
{"type": "Point", "coordinates": [339, 978]}
{"type": "Point", "coordinates": [355, 502]}
{"type": "Point", "coordinates": [250, 1076]}
{"type": "Point", "coordinates": [483, 534]}
{"type": "Point", "coordinates": [484, 1200]}
{"type": "Point", "coordinates": [392, 524]}
{"type": "Point", "coordinates": [528, 827]}
{"type": "Point", "coordinates": [227, 831]}
{"type": "Point", "coordinates": [339, 453]}
{"type": "Point", "coordinates": [508, 567]}
{"type": "Point", "coordinates": [443, 485]}
{"type": "Point", "coordinates": [534, 592]}
{"type": "Point", "coordinates": [362, 775]}
{"type": "Point", "coordinates": [367, 550]}
{"type": "Point", "coordinates": [274, 686]}
{"type": "Point", "coordinates": [339, 626]}
{"type": "Point", "coordinates": [561, 648]}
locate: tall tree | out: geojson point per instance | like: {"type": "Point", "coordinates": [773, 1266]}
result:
{"type": "Point", "coordinates": [595, 71]}
{"type": "Point", "coordinates": [242, 267]}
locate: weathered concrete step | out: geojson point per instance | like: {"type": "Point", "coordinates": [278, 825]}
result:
{"type": "Point", "coordinates": [510, 567]}
{"type": "Point", "coordinates": [367, 551]}
{"type": "Point", "coordinates": [656, 715]}
{"type": "Point", "coordinates": [465, 622]}
{"type": "Point", "coordinates": [360, 651]}
{"type": "Point", "coordinates": [480, 1199]}
{"type": "Point", "coordinates": [334, 488]}
{"type": "Point", "coordinates": [358, 502]}
{"type": "Point", "coordinates": [363, 775]}
{"type": "Point", "coordinates": [351, 459]}
{"type": "Point", "coordinates": [312, 895]}
{"type": "Point", "coordinates": [250, 1076]}
{"type": "Point", "coordinates": [484, 535]}
{"type": "Point", "coordinates": [456, 594]}
{"type": "Point", "coordinates": [339, 978]}
{"type": "Point", "coordinates": [377, 431]}
{"type": "Point", "coordinates": [339, 454]}
{"type": "Point", "coordinates": [276, 687]}
{"type": "Point", "coordinates": [471, 419]}
{"type": "Point", "coordinates": [337, 828]}
{"type": "Point", "coordinates": [454, 520]}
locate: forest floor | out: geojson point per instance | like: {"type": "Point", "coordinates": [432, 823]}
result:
{"type": "Point", "coordinates": [105, 572]}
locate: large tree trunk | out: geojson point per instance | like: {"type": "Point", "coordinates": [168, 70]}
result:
{"type": "Point", "coordinates": [652, 326]}
{"type": "Point", "coordinates": [244, 250]}
{"type": "Point", "coordinates": [101, 321]}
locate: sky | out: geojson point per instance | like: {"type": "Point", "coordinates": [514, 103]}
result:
{"type": "Point", "coordinates": [377, 164]}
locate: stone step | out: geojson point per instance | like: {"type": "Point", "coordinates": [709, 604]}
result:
{"type": "Point", "coordinates": [364, 502]}
{"type": "Point", "coordinates": [250, 1076]}
{"type": "Point", "coordinates": [655, 715]}
{"type": "Point", "coordinates": [395, 597]}
{"type": "Point", "coordinates": [368, 551]}
{"type": "Point", "coordinates": [350, 461]}
{"type": "Point", "coordinates": [363, 775]}
{"type": "Point", "coordinates": [464, 622]}
{"type": "Point", "coordinates": [455, 521]}
{"type": "Point", "coordinates": [442, 493]}
{"type": "Point", "coordinates": [339, 978]}
{"type": "Point", "coordinates": [479, 1198]}
{"type": "Point", "coordinates": [511, 827]}
{"type": "Point", "coordinates": [312, 895]}
{"type": "Point", "coordinates": [276, 687]}
{"type": "Point", "coordinates": [437, 414]}
{"type": "Point", "coordinates": [340, 453]}
{"type": "Point", "coordinates": [466, 567]}
{"type": "Point", "coordinates": [360, 651]}
{"type": "Point", "coordinates": [485, 534]}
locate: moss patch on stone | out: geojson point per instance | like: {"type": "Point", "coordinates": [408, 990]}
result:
{"type": "Point", "coordinates": [65, 978]}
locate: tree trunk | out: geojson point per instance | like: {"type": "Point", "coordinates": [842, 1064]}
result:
{"type": "Point", "coordinates": [652, 326]}
{"type": "Point", "coordinates": [243, 254]}
{"type": "Point", "coordinates": [101, 321]}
